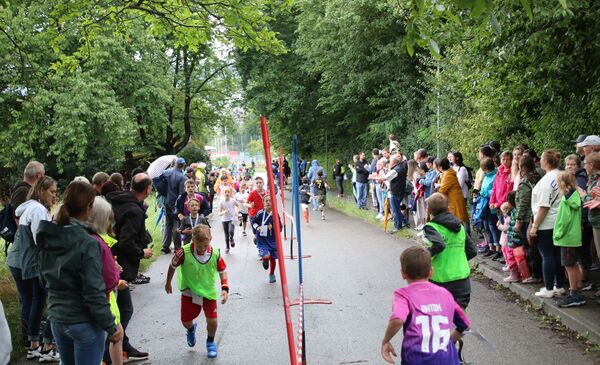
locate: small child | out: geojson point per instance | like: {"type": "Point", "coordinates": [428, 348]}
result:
{"type": "Point", "coordinates": [514, 254]}
{"type": "Point", "coordinates": [320, 192]}
{"type": "Point", "coordinates": [264, 230]}
{"type": "Point", "coordinates": [187, 223]}
{"type": "Point", "coordinates": [451, 249]}
{"type": "Point", "coordinates": [241, 197]}
{"type": "Point", "coordinates": [505, 208]}
{"type": "Point", "coordinates": [199, 266]}
{"type": "Point", "coordinates": [228, 210]}
{"type": "Point", "coordinates": [304, 192]}
{"type": "Point", "coordinates": [427, 313]}
{"type": "Point", "coordinates": [567, 235]}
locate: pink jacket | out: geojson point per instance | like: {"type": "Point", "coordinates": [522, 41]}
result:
{"type": "Point", "coordinates": [110, 271]}
{"type": "Point", "coordinates": [502, 185]}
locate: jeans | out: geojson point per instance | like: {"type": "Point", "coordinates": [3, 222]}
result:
{"type": "Point", "coordinates": [362, 190]}
{"type": "Point", "coordinates": [354, 192]}
{"type": "Point", "coordinates": [492, 230]}
{"type": "Point", "coordinates": [339, 184]}
{"type": "Point", "coordinates": [229, 229]}
{"type": "Point", "coordinates": [125, 305]}
{"type": "Point", "coordinates": [80, 343]}
{"type": "Point", "coordinates": [170, 233]}
{"type": "Point", "coordinates": [395, 203]}
{"type": "Point", "coordinates": [379, 194]}
{"type": "Point", "coordinates": [552, 270]}
{"type": "Point", "coordinates": [32, 296]}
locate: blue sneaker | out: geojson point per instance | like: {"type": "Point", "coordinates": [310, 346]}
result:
{"type": "Point", "coordinates": [191, 336]}
{"type": "Point", "coordinates": [211, 349]}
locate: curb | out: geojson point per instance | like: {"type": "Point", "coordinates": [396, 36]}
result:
{"type": "Point", "coordinates": [570, 317]}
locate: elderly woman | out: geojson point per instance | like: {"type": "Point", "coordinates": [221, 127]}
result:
{"type": "Point", "coordinates": [24, 263]}
{"type": "Point", "coordinates": [545, 200]}
{"type": "Point", "coordinates": [450, 187]}
{"type": "Point", "coordinates": [71, 267]}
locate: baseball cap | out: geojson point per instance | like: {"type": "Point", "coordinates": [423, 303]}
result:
{"type": "Point", "coordinates": [580, 139]}
{"type": "Point", "coordinates": [180, 161]}
{"type": "Point", "coordinates": [592, 140]}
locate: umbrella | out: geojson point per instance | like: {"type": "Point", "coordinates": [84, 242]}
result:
{"type": "Point", "coordinates": [159, 165]}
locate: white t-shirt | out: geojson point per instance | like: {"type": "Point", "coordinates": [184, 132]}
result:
{"type": "Point", "coordinates": [545, 194]}
{"type": "Point", "coordinates": [241, 197]}
{"type": "Point", "coordinates": [229, 207]}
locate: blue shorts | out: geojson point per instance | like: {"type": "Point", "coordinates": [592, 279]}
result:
{"type": "Point", "coordinates": [266, 248]}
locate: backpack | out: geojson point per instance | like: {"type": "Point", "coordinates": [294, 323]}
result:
{"type": "Point", "coordinates": [8, 226]}
{"type": "Point", "coordinates": [160, 184]}
{"type": "Point", "coordinates": [469, 181]}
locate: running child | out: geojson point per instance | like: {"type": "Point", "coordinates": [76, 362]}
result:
{"type": "Point", "coordinates": [450, 249]}
{"type": "Point", "coordinates": [320, 192]}
{"type": "Point", "coordinates": [304, 192]}
{"type": "Point", "coordinates": [255, 200]}
{"type": "Point", "coordinates": [241, 197]}
{"type": "Point", "coordinates": [426, 312]}
{"type": "Point", "coordinates": [187, 223]}
{"type": "Point", "coordinates": [199, 265]}
{"type": "Point", "coordinates": [228, 210]}
{"type": "Point", "coordinates": [264, 230]}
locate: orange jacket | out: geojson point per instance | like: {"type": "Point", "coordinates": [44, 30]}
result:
{"type": "Point", "coordinates": [450, 187]}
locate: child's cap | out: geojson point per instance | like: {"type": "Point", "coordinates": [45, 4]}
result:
{"type": "Point", "coordinates": [415, 262]}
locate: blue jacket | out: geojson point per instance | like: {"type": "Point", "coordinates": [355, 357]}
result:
{"type": "Point", "coordinates": [175, 185]}
{"type": "Point", "coordinates": [427, 181]}
{"type": "Point", "coordinates": [314, 168]}
{"type": "Point", "coordinates": [488, 184]}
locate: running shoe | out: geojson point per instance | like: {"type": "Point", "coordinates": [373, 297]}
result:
{"type": "Point", "coordinates": [227, 250]}
{"type": "Point", "coordinates": [571, 301]}
{"type": "Point", "coordinates": [134, 355]}
{"type": "Point", "coordinates": [191, 336]}
{"type": "Point", "coordinates": [379, 216]}
{"type": "Point", "coordinates": [272, 278]}
{"type": "Point", "coordinates": [489, 253]}
{"type": "Point", "coordinates": [559, 291]}
{"type": "Point", "coordinates": [265, 264]}
{"type": "Point", "coordinates": [34, 353]}
{"type": "Point", "coordinates": [587, 285]}
{"type": "Point", "coordinates": [50, 356]}
{"type": "Point", "coordinates": [244, 234]}
{"type": "Point", "coordinates": [232, 243]}
{"type": "Point", "coordinates": [545, 293]}
{"type": "Point", "coordinates": [211, 349]}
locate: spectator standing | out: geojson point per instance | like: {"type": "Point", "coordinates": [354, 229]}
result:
{"type": "Point", "coordinates": [131, 246]}
{"type": "Point", "coordinates": [396, 178]}
{"type": "Point", "coordinates": [175, 188]}
{"type": "Point", "coordinates": [98, 180]}
{"type": "Point", "coordinates": [450, 187]}
{"type": "Point", "coordinates": [362, 180]}
{"type": "Point", "coordinates": [338, 175]}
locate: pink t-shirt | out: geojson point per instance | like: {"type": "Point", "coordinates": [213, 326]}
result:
{"type": "Point", "coordinates": [429, 313]}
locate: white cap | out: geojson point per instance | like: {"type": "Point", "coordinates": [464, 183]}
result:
{"type": "Point", "coordinates": [592, 140]}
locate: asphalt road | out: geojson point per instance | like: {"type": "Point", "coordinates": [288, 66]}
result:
{"type": "Point", "coordinates": [354, 265]}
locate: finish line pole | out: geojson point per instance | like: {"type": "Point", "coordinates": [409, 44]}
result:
{"type": "Point", "coordinates": [284, 288]}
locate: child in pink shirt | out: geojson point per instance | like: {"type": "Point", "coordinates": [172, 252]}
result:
{"type": "Point", "coordinates": [427, 313]}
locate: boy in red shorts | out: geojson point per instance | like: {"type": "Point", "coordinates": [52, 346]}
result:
{"type": "Point", "coordinates": [199, 265]}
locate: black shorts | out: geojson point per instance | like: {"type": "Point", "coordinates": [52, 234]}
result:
{"type": "Point", "coordinates": [460, 290]}
{"type": "Point", "coordinates": [244, 217]}
{"type": "Point", "coordinates": [569, 256]}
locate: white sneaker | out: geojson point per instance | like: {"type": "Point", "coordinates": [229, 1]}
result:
{"type": "Point", "coordinates": [379, 216]}
{"type": "Point", "coordinates": [559, 291]}
{"type": "Point", "coordinates": [545, 293]}
{"type": "Point", "coordinates": [34, 354]}
{"type": "Point", "coordinates": [505, 268]}
{"type": "Point", "coordinates": [50, 356]}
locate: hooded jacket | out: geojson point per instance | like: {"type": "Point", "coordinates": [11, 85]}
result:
{"type": "Point", "coordinates": [452, 223]}
{"type": "Point", "coordinates": [450, 187]}
{"type": "Point", "coordinates": [314, 168]}
{"type": "Point", "coordinates": [567, 227]}
{"type": "Point", "coordinates": [502, 185]}
{"type": "Point", "coordinates": [24, 254]}
{"type": "Point", "coordinates": [71, 272]}
{"type": "Point", "coordinates": [523, 197]}
{"type": "Point", "coordinates": [130, 228]}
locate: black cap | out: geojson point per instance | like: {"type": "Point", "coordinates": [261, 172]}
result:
{"type": "Point", "coordinates": [580, 139]}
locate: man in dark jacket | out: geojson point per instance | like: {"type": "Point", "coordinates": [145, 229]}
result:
{"type": "Point", "coordinates": [131, 246]}
{"type": "Point", "coordinates": [33, 172]}
{"type": "Point", "coordinates": [362, 180]}
{"type": "Point", "coordinates": [338, 175]}
{"type": "Point", "coordinates": [175, 187]}
{"type": "Point", "coordinates": [397, 180]}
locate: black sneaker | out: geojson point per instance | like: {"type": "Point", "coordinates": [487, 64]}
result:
{"type": "Point", "coordinates": [165, 250]}
{"type": "Point", "coordinates": [134, 355]}
{"type": "Point", "coordinates": [571, 301]}
{"type": "Point", "coordinates": [497, 256]}
{"type": "Point", "coordinates": [501, 260]}
{"type": "Point", "coordinates": [587, 285]}
{"type": "Point", "coordinates": [265, 264]}
{"type": "Point", "coordinates": [489, 253]}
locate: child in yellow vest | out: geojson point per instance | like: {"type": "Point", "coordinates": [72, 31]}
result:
{"type": "Point", "coordinates": [199, 265]}
{"type": "Point", "coordinates": [450, 249]}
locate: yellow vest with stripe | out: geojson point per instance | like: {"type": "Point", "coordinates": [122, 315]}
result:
{"type": "Point", "coordinates": [198, 277]}
{"type": "Point", "coordinates": [451, 264]}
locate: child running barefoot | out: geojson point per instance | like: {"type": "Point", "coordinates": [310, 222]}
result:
{"type": "Point", "coordinates": [304, 192]}
{"type": "Point", "coordinates": [228, 210]}
{"type": "Point", "coordinates": [241, 197]}
{"type": "Point", "coordinates": [321, 192]}
{"type": "Point", "coordinates": [427, 313]}
{"type": "Point", "coordinates": [199, 264]}
{"type": "Point", "coordinates": [264, 228]}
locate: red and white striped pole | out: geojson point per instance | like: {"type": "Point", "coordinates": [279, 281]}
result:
{"type": "Point", "coordinates": [282, 273]}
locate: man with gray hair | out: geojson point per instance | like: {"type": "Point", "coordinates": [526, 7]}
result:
{"type": "Point", "coordinates": [396, 178]}
{"type": "Point", "coordinates": [33, 172]}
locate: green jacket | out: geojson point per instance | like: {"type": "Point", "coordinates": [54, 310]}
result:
{"type": "Point", "coordinates": [523, 197]}
{"type": "Point", "coordinates": [593, 214]}
{"type": "Point", "coordinates": [451, 263]}
{"type": "Point", "coordinates": [567, 228]}
{"type": "Point", "coordinates": [71, 271]}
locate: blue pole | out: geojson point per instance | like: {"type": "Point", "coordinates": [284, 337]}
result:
{"type": "Point", "coordinates": [296, 212]}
